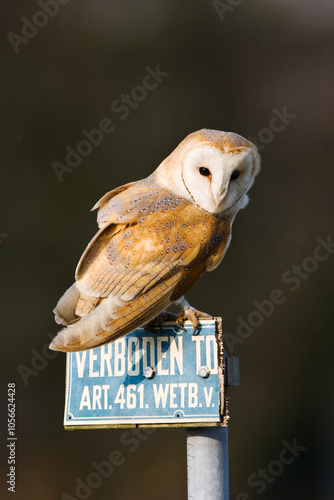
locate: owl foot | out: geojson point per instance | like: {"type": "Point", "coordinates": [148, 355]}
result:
{"type": "Point", "coordinates": [192, 315]}
{"type": "Point", "coordinates": [158, 321]}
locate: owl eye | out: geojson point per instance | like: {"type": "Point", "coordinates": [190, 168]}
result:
{"type": "Point", "coordinates": [235, 175]}
{"type": "Point", "coordinates": [204, 171]}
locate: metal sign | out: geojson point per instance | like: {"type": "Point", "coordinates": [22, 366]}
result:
{"type": "Point", "coordinates": [169, 377]}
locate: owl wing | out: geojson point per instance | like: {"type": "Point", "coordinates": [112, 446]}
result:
{"type": "Point", "coordinates": [125, 203]}
{"type": "Point", "coordinates": [130, 271]}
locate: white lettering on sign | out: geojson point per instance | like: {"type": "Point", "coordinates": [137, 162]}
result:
{"type": "Point", "coordinates": [148, 352]}
{"type": "Point", "coordinates": [176, 354]}
{"type": "Point", "coordinates": [97, 393]}
{"type": "Point", "coordinates": [129, 356]}
{"type": "Point", "coordinates": [160, 395]}
{"type": "Point", "coordinates": [161, 356]}
{"type": "Point", "coordinates": [106, 360]}
{"type": "Point", "coordinates": [175, 395]}
{"type": "Point", "coordinates": [85, 399]}
{"type": "Point", "coordinates": [81, 358]}
{"type": "Point", "coordinates": [182, 389]}
{"type": "Point", "coordinates": [192, 395]}
{"type": "Point", "coordinates": [206, 354]}
{"type": "Point", "coordinates": [133, 356]}
{"type": "Point", "coordinates": [105, 394]}
{"type": "Point", "coordinates": [198, 340]}
{"type": "Point", "coordinates": [211, 354]}
{"type": "Point", "coordinates": [208, 395]}
{"type": "Point", "coordinates": [120, 357]}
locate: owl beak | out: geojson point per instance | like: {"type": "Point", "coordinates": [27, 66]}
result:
{"type": "Point", "coordinates": [219, 197]}
{"type": "Point", "coordinates": [218, 203]}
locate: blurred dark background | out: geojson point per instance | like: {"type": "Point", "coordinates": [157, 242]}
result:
{"type": "Point", "coordinates": [230, 65]}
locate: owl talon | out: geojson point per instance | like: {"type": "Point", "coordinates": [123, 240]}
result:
{"type": "Point", "coordinates": [192, 315]}
{"type": "Point", "coordinates": [180, 318]}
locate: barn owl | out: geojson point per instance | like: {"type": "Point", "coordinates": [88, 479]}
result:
{"type": "Point", "coordinates": [156, 237]}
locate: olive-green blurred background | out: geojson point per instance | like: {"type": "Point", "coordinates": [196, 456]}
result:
{"type": "Point", "coordinates": [227, 72]}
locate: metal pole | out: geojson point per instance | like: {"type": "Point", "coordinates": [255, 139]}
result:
{"type": "Point", "coordinates": [207, 463]}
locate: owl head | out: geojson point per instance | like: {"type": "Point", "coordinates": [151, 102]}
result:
{"type": "Point", "coordinates": [213, 169]}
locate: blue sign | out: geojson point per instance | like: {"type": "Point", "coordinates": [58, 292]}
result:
{"type": "Point", "coordinates": [169, 376]}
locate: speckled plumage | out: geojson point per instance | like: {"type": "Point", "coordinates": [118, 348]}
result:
{"type": "Point", "coordinates": [155, 240]}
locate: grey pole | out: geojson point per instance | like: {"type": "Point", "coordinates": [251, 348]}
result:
{"type": "Point", "coordinates": [207, 463]}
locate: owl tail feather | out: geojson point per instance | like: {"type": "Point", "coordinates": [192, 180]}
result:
{"type": "Point", "coordinates": [65, 309]}
{"type": "Point", "coordinates": [102, 325]}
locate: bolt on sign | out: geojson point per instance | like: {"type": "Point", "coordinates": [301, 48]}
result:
{"type": "Point", "coordinates": [166, 377]}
